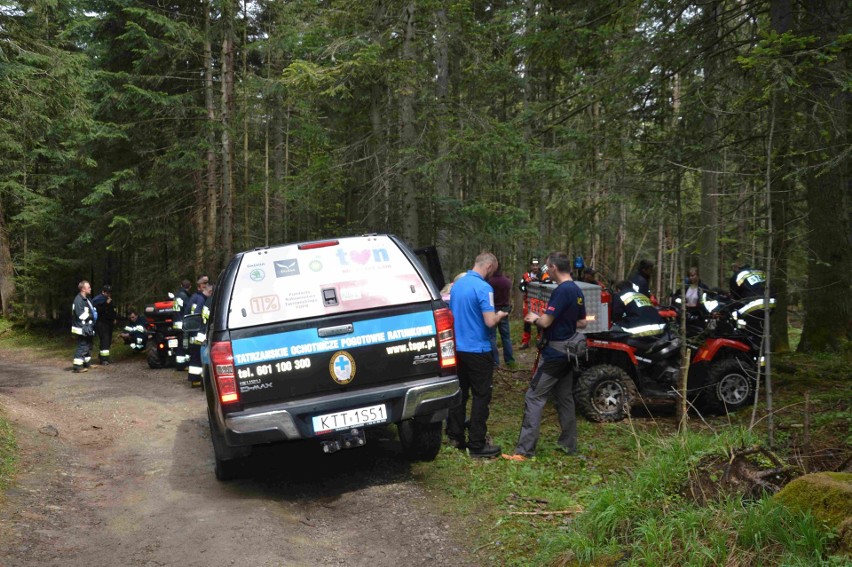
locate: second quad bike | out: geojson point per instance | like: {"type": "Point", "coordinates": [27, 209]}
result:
{"type": "Point", "coordinates": [620, 368]}
{"type": "Point", "coordinates": [163, 338]}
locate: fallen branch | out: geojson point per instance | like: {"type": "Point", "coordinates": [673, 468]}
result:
{"type": "Point", "coordinates": [548, 512]}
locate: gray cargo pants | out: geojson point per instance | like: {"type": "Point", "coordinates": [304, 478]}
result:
{"type": "Point", "coordinates": [554, 375]}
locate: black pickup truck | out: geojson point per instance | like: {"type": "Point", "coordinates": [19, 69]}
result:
{"type": "Point", "coordinates": [321, 340]}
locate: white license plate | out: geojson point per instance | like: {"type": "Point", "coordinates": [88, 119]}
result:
{"type": "Point", "coordinates": [173, 343]}
{"type": "Point", "coordinates": [350, 419]}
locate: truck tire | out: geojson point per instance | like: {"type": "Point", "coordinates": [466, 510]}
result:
{"type": "Point", "coordinates": [604, 393]}
{"type": "Point", "coordinates": [154, 360]}
{"type": "Point", "coordinates": [227, 465]}
{"type": "Point", "coordinates": [730, 386]}
{"type": "Point", "coordinates": [421, 441]}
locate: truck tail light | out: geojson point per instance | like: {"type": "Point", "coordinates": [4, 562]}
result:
{"type": "Point", "coordinates": [222, 361]}
{"type": "Point", "coordinates": [446, 339]}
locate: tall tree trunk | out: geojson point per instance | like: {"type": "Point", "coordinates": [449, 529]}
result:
{"type": "Point", "coordinates": [408, 136]}
{"type": "Point", "coordinates": [376, 208]}
{"type": "Point", "coordinates": [781, 13]}
{"type": "Point", "coordinates": [828, 301]}
{"type": "Point", "coordinates": [211, 205]}
{"type": "Point", "coordinates": [227, 128]}
{"type": "Point", "coordinates": [620, 240]}
{"type": "Point", "coordinates": [7, 270]}
{"type": "Point", "coordinates": [442, 175]}
{"type": "Point", "coordinates": [246, 103]}
{"type": "Point", "coordinates": [708, 251]}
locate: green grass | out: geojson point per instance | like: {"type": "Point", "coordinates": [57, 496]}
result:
{"type": "Point", "coordinates": [622, 503]}
{"type": "Point", "coordinates": [42, 339]}
{"type": "Point", "coordinates": [8, 453]}
{"type": "Point", "coordinates": [38, 338]}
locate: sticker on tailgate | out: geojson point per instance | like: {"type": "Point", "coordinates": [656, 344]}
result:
{"type": "Point", "coordinates": [401, 329]}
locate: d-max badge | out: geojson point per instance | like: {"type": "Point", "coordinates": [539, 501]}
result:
{"type": "Point", "coordinates": [342, 367]}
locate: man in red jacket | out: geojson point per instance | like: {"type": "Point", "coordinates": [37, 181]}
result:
{"type": "Point", "coordinates": [530, 276]}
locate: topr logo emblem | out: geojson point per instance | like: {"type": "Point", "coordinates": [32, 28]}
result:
{"type": "Point", "coordinates": [342, 367]}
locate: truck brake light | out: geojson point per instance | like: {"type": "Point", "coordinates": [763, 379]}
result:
{"type": "Point", "coordinates": [222, 361]}
{"type": "Point", "coordinates": [446, 338]}
{"type": "Point", "coordinates": [318, 244]}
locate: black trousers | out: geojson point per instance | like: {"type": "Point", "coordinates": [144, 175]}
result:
{"type": "Point", "coordinates": [83, 352]}
{"type": "Point", "coordinates": [104, 331]}
{"type": "Point", "coordinates": [476, 374]}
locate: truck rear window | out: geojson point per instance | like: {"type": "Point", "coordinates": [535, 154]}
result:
{"type": "Point", "coordinates": [285, 283]}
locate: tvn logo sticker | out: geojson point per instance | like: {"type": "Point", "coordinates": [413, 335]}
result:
{"type": "Point", "coordinates": [284, 268]}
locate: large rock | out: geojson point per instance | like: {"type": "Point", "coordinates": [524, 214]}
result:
{"type": "Point", "coordinates": [828, 497]}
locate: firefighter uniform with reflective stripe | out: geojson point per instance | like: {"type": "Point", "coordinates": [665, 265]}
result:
{"type": "Point", "coordinates": [747, 282]}
{"type": "Point", "coordinates": [181, 305]}
{"type": "Point", "coordinates": [196, 305]}
{"type": "Point", "coordinates": [634, 313]}
{"type": "Point", "coordinates": [82, 326]}
{"type": "Point", "coordinates": [104, 325]}
{"type": "Point", "coordinates": [748, 285]}
{"type": "Point", "coordinates": [137, 337]}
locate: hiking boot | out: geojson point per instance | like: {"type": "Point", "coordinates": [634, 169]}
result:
{"type": "Point", "coordinates": [105, 363]}
{"type": "Point", "coordinates": [456, 443]}
{"type": "Point", "coordinates": [517, 457]}
{"type": "Point", "coordinates": [524, 346]}
{"type": "Point", "coordinates": [79, 370]}
{"type": "Point", "coordinates": [487, 451]}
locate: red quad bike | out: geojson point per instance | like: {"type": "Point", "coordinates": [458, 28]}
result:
{"type": "Point", "coordinates": [619, 367]}
{"type": "Point", "coordinates": [163, 339]}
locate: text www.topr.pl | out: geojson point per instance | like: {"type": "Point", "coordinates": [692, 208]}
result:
{"type": "Point", "coordinates": [411, 346]}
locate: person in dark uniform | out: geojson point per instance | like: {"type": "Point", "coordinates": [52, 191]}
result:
{"type": "Point", "coordinates": [134, 333]}
{"type": "Point", "coordinates": [105, 323]}
{"type": "Point", "coordinates": [196, 305]}
{"type": "Point", "coordinates": [180, 305]}
{"type": "Point", "coordinates": [746, 282]}
{"type": "Point", "coordinates": [83, 327]}
{"type": "Point", "coordinates": [640, 280]}
{"type": "Point", "coordinates": [748, 286]}
{"type": "Point", "coordinates": [565, 313]}
{"type": "Point", "coordinates": [634, 313]}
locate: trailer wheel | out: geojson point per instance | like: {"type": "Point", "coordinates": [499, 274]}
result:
{"type": "Point", "coordinates": [605, 393]}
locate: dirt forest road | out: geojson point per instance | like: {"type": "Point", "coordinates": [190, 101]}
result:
{"type": "Point", "coordinates": [115, 469]}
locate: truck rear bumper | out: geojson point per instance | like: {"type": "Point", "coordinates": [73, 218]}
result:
{"type": "Point", "coordinates": [289, 421]}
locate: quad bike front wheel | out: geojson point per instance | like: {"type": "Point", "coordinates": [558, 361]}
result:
{"type": "Point", "coordinates": [730, 386]}
{"type": "Point", "coordinates": [605, 393]}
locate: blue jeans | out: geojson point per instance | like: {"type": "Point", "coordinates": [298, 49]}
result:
{"type": "Point", "coordinates": [503, 326]}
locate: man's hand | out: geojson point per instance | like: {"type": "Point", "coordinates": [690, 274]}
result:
{"type": "Point", "coordinates": [540, 321]}
{"type": "Point", "coordinates": [492, 318]}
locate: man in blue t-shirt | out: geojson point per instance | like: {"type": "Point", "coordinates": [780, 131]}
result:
{"type": "Point", "coordinates": [472, 304]}
{"type": "Point", "coordinates": [564, 314]}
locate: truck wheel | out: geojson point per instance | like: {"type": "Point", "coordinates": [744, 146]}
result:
{"type": "Point", "coordinates": [605, 393]}
{"type": "Point", "coordinates": [226, 465]}
{"type": "Point", "coordinates": [154, 360]}
{"type": "Point", "coordinates": [730, 386]}
{"type": "Point", "coordinates": [420, 441]}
